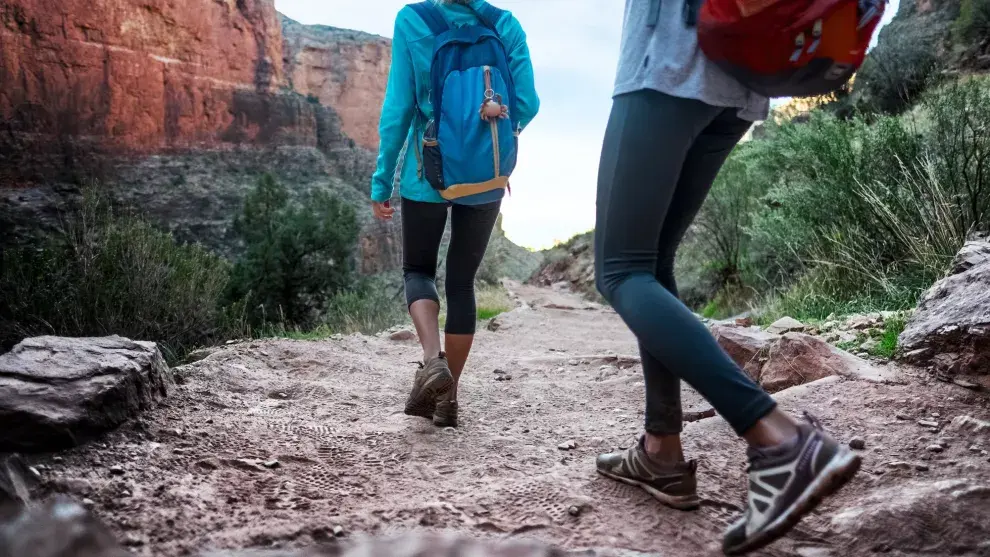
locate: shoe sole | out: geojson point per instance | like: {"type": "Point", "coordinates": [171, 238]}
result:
{"type": "Point", "coordinates": [837, 474]}
{"type": "Point", "coordinates": [444, 424]}
{"type": "Point", "coordinates": [679, 502]}
{"type": "Point", "coordinates": [422, 404]}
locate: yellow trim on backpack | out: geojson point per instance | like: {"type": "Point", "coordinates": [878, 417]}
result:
{"type": "Point", "coordinates": [462, 190]}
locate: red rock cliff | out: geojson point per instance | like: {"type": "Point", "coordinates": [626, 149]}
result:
{"type": "Point", "coordinates": [180, 105]}
{"type": "Point", "coordinates": [343, 69]}
{"type": "Point", "coordinates": [147, 73]}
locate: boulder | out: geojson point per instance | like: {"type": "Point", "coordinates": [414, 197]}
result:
{"type": "Point", "coordinates": [945, 517]}
{"type": "Point", "coordinates": [785, 325]}
{"type": "Point", "coordinates": [747, 346]}
{"type": "Point", "coordinates": [778, 362]}
{"type": "Point", "coordinates": [950, 331]}
{"type": "Point", "coordinates": [798, 358]}
{"type": "Point", "coordinates": [58, 392]}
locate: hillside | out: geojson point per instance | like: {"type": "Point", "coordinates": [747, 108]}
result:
{"type": "Point", "coordinates": [180, 107]}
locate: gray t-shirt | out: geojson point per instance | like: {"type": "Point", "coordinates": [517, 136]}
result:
{"type": "Point", "coordinates": [666, 58]}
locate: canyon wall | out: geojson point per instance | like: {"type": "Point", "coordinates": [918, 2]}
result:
{"type": "Point", "coordinates": [180, 105]}
{"type": "Point", "coordinates": [341, 68]}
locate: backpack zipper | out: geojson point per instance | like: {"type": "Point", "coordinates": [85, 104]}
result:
{"type": "Point", "coordinates": [490, 95]}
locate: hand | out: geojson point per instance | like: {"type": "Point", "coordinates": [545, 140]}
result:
{"type": "Point", "coordinates": [382, 211]}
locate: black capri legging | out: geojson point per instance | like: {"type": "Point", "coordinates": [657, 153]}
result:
{"type": "Point", "coordinates": [422, 230]}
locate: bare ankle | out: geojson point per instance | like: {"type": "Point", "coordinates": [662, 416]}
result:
{"type": "Point", "coordinates": [664, 449]}
{"type": "Point", "coordinates": [773, 429]}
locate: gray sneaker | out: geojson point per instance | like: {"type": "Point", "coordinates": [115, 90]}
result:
{"type": "Point", "coordinates": [432, 380]}
{"type": "Point", "coordinates": [673, 485]}
{"type": "Point", "coordinates": [445, 414]}
{"type": "Point", "coordinates": [788, 482]}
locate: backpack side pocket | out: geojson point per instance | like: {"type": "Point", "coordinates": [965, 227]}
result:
{"type": "Point", "coordinates": [432, 158]}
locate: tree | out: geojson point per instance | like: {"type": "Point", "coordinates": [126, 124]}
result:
{"type": "Point", "coordinates": [298, 255]}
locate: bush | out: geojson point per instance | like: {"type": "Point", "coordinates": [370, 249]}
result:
{"type": "Point", "coordinates": [106, 274]}
{"type": "Point", "coordinates": [298, 255]}
{"type": "Point", "coordinates": [973, 24]}
{"type": "Point", "coordinates": [902, 65]}
{"type": "Point", "coordinates": [833, 215]}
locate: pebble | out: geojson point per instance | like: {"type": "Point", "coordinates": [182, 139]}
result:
{"type": "Point", "coordinates": [133, 540]}
{"type": "Point", "coordinates": [573, 363]}
{"type": "Point", "coordinates": [88, 503]}
{"type": "Point", "coordinates": [402, 335]}
{"type": "Point", "coordinates": [567, 445]}
{"type": "Point", "coordinates": [272, 464]}
{"type": "Point", "coordinates": [117, 470]}
{"type": "Point", "coordinates": [901, 416]}
{"type": "Point", "coordinates": [574, 510]}
{"type": "Point", "coordinates": [936, 448]}
{"type": "Point", "coordinates": [899, 465]}
{"type": "Point", "coordinates": [503, 377]}
{"type": "Point", "coordinates": [975, 449]}
{"type": "Point", "coordinates": [338, 531]}
{"type": "Point", "coordinates": [57, 459]}
{"type": "Point", "coordinates": [921, 467]}
{"type": "Point", "coordinates": [927, 423]}
{"type": "Point", "coordinates": [35, 472]}
{"type": "Point", "coordinates": [857, 443]}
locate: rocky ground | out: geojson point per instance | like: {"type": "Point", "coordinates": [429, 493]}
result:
{"type": "Point", "coordinates": [283, 443]}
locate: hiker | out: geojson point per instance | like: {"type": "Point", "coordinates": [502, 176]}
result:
{"type": "Point", "coordinates": [459, 91]}
{"type": "Point", "coordinates": [675, 118]}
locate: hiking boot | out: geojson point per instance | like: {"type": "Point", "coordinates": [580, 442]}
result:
{"type": "Point", "coordinates": [445, 414]}
{"type": "Point", "coordinates": [786, 483]}
{"type": "Point", "coordinates": [674, 485]}
{"type": "Point", "coordinates": [432, 380]}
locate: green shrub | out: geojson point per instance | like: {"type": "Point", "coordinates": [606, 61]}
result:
{"type": "Point", "coordinates": [842, 216]}
{"type": "Point", "coordinates": [973, 23]}
{"type": "Point", "coordinates": [108, 273]}
{"type": "Point", "coordinates": [298, 255]}
{"type": "Point", "coordinates": [900, 67]}
{"type": "Point", "coordinates": [370, 307]}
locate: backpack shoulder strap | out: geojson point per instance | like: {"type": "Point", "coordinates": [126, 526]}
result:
{"type": "Point", "coordinates": [489, 16]}
{"type": "Point", "coordinates": [431, 15]}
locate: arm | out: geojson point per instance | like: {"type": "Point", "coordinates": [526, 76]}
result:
{"type": "Point", "coordinates": [397, 114]}
{"type": "Point", "coordinates": [521, 67]}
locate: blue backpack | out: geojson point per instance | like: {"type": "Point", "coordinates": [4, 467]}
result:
{"type": "Point", "coordinates": [469, 147]}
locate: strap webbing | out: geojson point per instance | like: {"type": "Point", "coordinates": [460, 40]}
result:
{"type": "Point", "coordinates": [431, 15]}
{"type": "Point", "coordinates": [489, 16]}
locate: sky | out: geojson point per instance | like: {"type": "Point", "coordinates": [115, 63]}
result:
{"type": "Point", "coordinates": [574, 45]}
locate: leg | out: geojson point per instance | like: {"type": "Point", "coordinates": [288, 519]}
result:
{"type": "Point", "coordinates": [792, 467]}
{"type": "Point", "coordinates": [632, 207]}
{"type": "Point", "coordinates": [422, 230]}
{"type": "Point", "coordinates": [701, 165]}
{"type": "Point", "coordinates": [470, 231]}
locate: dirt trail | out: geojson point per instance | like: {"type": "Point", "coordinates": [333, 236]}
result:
{"type": "Point", "coordinates": [200, 472]}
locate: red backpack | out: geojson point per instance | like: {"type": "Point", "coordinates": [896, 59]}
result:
{"type": "Point", "coordinates": [788, 48]}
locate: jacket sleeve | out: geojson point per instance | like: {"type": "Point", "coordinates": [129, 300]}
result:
{"type": "Point", "coordinates": [521, 67]}
{"type": "Point", "coordinates": [398, 110]}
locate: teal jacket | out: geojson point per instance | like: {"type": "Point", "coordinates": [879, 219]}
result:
{"type": "Point", "coordinates": [408, 84]}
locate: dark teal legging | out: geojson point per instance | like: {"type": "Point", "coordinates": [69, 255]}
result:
{"type": "Point", "coordinates": [659, 159]}
{"type": "Point", "coordinates": [470, 231]}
